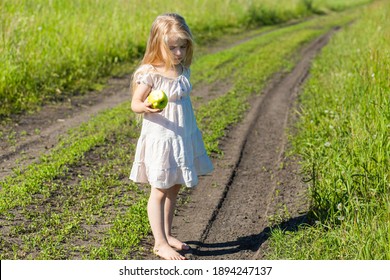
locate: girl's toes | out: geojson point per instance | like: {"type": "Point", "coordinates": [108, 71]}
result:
{"type": "Point", "coordinates": [167, 253]}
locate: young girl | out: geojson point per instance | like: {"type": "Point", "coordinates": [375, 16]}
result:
{"type": "Point", "coordinates": [170, 151]}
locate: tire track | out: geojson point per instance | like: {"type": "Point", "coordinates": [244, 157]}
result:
{"type": "Point", "coordinates": [37, 134]}
{"type": "Point", "coordinates": [256, 187]}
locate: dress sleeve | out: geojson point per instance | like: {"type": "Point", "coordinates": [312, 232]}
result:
{"type": "Point", "coordinates": [143, 75]}
{"type": "Point", "coordinates": [144, 78]}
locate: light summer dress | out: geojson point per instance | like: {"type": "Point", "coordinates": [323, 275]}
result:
{"type": "Point", "coordinates": [170, 149]}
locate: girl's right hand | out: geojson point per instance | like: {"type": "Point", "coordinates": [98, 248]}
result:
{"type": "Point", "coordinates": [149, 109]}
{"type": "Point", "coordinates": [139, 102]}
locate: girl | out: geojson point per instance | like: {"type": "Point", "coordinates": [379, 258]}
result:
{"type": "Point", "coordinates": [170, 151]}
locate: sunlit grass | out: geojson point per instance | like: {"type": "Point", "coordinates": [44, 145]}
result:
{"type": "Point", "coordinates": [344, 142]}
{"type": "Point", "coordinates": [53, 49]}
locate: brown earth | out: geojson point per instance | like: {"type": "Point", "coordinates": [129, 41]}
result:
{"type": "Point", "coordinates": [255, 185]}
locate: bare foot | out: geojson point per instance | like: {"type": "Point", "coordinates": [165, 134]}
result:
{"type": "Point", "coordinates": [177, 244]}
{"type": "Point", "coordinates": [167, 253]}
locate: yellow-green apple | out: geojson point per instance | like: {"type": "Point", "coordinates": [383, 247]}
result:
{"type": "Point", "coordinates": [158, 99]}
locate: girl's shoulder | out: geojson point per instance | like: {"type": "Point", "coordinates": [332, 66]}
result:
{"type": "Point", "coordinates": [145, 68]}
{"type": "Point", "coordinates": [153, 71]}
{"type": "Point", "coordinates": [143, 75]}
{"type": "Point", "coordinates": [144, 71]}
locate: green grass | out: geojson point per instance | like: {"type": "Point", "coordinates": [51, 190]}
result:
{"type": "Point", "coordinates": [17, 190]}
{"type": "Point", "coordinates": [89, 211]}
{"type": "Point", "coordinates": [78, 202]}
{"type": "Point", "coordinates": [52, 49]}
{"type": "Point", "coordinates": [344, 143]}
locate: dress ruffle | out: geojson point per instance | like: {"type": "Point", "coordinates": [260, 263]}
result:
{"type": "Point", "coordinates": [164, 162]}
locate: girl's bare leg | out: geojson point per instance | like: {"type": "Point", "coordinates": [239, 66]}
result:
{"type": "Point", "coordinates": [156, 209]}
{"type": "Point", "coordinates": [170, 205]}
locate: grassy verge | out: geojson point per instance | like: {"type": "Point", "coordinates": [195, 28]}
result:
{"type": "Point", "coordinates": [344, 143]}
{"type": "Point", "coordinates": [53, 49]}
{"type": "Point", "coordinates": [78, 203]}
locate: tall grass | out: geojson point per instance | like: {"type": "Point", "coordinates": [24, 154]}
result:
{"type": "Point", "coordinates": [344, 142]}
{"type": "Point", "coordinates": [52, 49]}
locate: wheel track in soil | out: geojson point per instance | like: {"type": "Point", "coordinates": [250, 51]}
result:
{"type": "Point", "coordinates": [254, 181]}
{"type": "Point", "coordinates": [37, 133]}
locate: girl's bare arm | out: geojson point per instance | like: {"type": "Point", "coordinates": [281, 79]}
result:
{"type": "Point", "coordinates": [139, 102]}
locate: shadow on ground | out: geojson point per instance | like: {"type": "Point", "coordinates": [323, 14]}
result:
{"type": "Point", "coordinates": [246, 243]}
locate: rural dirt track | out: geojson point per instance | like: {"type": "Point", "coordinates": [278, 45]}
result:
{"type": "Point", "coordinates": [255, 182]}
{"type": "Point", "coordinates": [228, 215]}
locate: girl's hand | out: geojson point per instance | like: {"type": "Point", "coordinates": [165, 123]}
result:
{"type": "Point", "coordinates": [149, 109]}
{"type": "Point", "coordinates": [139, 102]}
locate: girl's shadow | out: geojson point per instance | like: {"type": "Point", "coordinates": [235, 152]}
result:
{"type": "Point", "coordinates": [245, 243]}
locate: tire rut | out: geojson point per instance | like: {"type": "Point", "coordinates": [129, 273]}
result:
{"type": "Point", "coordinates": [255, 181]}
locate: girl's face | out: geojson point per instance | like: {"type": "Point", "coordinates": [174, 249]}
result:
{"type": "Point", "coordinates": [178, 48]}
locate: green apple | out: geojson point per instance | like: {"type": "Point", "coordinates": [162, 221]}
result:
{"type": "Point", "coordinates": [158, 99]}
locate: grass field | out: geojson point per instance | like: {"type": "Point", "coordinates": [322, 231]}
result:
{"type": "Point", "coordinates": [344, 142]}
{"type": "Point", "coordinates": [53, 49]}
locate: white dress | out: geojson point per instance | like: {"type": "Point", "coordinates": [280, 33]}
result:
{"type": "Point", "coordinates": [170, 149]}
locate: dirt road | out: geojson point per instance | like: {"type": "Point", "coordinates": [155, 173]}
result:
{"type": "Point", "coordinates": [255, 185]}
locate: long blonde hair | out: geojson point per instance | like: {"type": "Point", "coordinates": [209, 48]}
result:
{"type": "Point", "coordinates": [157, 49]}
